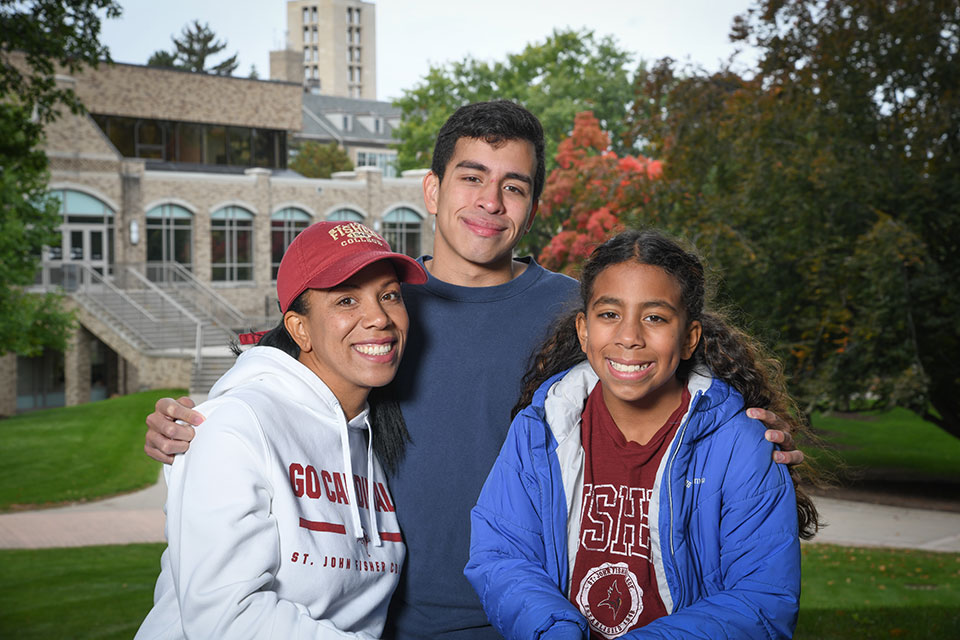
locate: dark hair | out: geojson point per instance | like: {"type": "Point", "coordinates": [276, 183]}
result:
{"type": "Point", "coordinates": [494, 122]}
{"type": "Point", "coordinates": [386, 420]}
{"type": "Point", "coordinates": [727, 352]}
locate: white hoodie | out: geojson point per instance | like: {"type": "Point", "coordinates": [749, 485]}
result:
{"type": "Point", "coordinates": [268, 528]}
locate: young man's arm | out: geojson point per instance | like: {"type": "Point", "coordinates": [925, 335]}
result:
{"type": "Point", "coordinates": [778, 432]}
{"type": "Point", "coordinates": [170, 430]}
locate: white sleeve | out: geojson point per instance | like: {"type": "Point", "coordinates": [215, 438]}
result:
{"type": "Point", "coordinates": [223, 542]}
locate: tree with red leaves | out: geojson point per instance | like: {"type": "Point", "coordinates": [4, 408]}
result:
{"type": "Point", "coordinates": [586, 195]}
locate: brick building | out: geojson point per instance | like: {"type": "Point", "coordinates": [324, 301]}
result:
{"type": "Point", "coordinates": [177, 207]}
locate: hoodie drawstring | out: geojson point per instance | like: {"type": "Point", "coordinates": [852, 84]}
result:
{"type": "Point", "coordinates": [348, 467]}
{"type": "Point", "coordinates": [371, 503]}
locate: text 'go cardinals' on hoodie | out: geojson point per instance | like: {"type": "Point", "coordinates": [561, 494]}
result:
{"type": "Point", "coordinates": [279, 521]}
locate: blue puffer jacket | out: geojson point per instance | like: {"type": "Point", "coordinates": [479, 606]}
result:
{"type": "Point", "coordinates": [723, 530]}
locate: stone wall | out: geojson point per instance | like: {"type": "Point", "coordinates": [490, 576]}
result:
{"type": "Point", "coordinates": [140, 370]}
{"type": "Point", "coordinates": [76, 361]}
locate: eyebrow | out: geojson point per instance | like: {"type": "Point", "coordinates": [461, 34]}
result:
{"type": "Point", "coordinates": [645, 305]}
{"type": "Point", "coordinates": [476, 166]}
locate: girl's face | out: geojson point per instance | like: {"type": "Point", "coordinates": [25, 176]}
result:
{"type": "Point", "coordinates": [353, 335]}
{"type": "Point", "coordinates": [635, 333]}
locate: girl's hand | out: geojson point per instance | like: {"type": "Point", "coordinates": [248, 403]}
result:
{"type": "Point", "coordinates": [778, 433]}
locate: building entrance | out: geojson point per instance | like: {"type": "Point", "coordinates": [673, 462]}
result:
{"type": "Point", "coordinates": [88, 245]}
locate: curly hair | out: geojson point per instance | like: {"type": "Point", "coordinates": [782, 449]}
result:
{"type": "Point", "coordinates": [730, 354]}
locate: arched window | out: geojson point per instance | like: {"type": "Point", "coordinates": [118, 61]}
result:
{"type": "Point", "coordinates": [231, 245]}
{"type": "Point", "coordinates": [170, 235]}
{"type": "Point", "coordinates": [86, 235]}
{"type": "Point", "coordinates": [285, 224]}
{"type": "Point", "coordinates": [346, 215]}
{"type": "Point", "coordinates": [402, 229]}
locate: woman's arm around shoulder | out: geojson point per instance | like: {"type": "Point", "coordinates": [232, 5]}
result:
{"type": "Point", "coordinates": [514, 565]}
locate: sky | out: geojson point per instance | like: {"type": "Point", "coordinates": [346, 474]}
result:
{"type": "Point", "coordinates": [413, 34]}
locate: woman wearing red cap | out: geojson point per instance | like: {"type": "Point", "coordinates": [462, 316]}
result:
{"type": "Point", "coordinates": [279, 520]}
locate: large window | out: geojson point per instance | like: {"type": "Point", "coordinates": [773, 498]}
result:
{"type": "Point", "coordinates": [170, 235]}
{"type": "Point", "coordinates": [284, 227]}
{"type": "Point", "coordinates": [86, 235]}
{"type": "Point", "coordinates": [386, 162]}
{"type": "Point", "coordinates": [345, 215]}
{"type": "Point", "coordinates": [231, 245]}
{"type": "Point", "coordinates": [191, 142]}
{"type": "Point", "coordinates": [402, 228]}
{"type": "Point", "coordinates": [41, 381]}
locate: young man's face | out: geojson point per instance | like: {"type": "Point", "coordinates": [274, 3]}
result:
{"type": "Point", "coordinates": [484, 204]}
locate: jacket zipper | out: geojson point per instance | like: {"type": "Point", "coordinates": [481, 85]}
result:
{"type": "Point", "coordinates": [669, 471]}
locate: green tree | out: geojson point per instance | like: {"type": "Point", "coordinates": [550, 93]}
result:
{"type": "Point", "coordinates": [827, 186]}
{"type": "Point", "coordinates": [164, 59]}
{"type": "Point", "coordinates": [316, 160]}
{"type": "Point", "coordinates": [38, 38]}
{"type": "Point", "coordinates": [569, 72]}
{"type": "Point", "coordinates": [196, 43]}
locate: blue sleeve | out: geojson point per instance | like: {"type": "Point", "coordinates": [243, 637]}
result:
{"type": "Point", "coordinates": [510, 563]}
{"type": "Point", "coordinates": [759, 574]}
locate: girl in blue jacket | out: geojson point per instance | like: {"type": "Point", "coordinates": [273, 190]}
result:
{"type": "Point", "coordinates": [633, 497]}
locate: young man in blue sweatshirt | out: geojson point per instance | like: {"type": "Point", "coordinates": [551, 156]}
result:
{"type": "Point", "coordinates": [473, 326]}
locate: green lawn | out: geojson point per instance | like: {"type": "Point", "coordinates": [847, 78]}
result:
{"type": "Point", "coordinates": [878, 593]}
{"type": "Point", "coordinates": [897, 442]}
{"type": "Point", "coordinates": [77, 453]}
{"type": "Point", "coordinates": [87, 592]}
{"type": "Point", "coordinates": [848, 593]}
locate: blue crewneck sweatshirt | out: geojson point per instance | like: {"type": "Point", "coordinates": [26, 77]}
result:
{"type": "Point", "coordinates": [467, 351]}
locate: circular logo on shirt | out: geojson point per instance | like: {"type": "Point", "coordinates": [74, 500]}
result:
{"type": "Point", "coordinates": [610, 598]}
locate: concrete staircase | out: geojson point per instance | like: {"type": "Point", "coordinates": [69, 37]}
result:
{"type": "Point", "coordinates": [173, 313]}
{"type": "Point", "coordinates": [213, 366]}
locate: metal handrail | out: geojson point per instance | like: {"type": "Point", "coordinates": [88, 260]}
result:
{"type": "Point", "coordinates": [121, 325]}
{"type": "Point", "coordinates": [176, 273]}
{"type": "Point", "coordinates": [224, 304]}
{"type": "Point", "coordinates": [161, 293]}
{"type": "Point", "coordinates": [99, 279]}
{"type": "Point", "coordinates": [198, 346]}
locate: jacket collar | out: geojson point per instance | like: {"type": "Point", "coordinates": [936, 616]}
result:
{"type": "Point", "coordinates": [561, 400]}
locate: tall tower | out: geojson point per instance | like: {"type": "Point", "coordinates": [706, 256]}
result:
{"type": "Point", "coordinates": [338, 42]}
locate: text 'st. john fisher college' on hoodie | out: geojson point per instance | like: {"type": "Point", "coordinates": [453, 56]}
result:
{"type": "Point", "coordinates": [279, 520]}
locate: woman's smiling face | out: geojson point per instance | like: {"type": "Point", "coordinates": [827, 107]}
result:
{"type": "Point", "coordinates": [635, 332]}
{"type": "Point", "coordinates": [353, 335]}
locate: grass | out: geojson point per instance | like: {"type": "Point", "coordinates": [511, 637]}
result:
{"type": "Point", "coordinates": [77, 453]}
{"type": "Point", "coordinates": [878, 593]}
{"type": "Point", "coordinates": [105, 592]}
{"type": "Point", "coordinates": [86, 592]}
{"type": "Point", "coordinates": [896, 442]}
{"type": "Point", "coordinates": [95, 450]}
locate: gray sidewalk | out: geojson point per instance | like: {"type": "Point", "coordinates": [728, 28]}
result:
{"type": "Point", "coordinates": [138, 517]}
{"type": "Point", "coordinates": [135, 517]}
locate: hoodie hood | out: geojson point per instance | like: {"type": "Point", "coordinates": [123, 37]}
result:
{"type": "Point", "coordinates": [275, 372]}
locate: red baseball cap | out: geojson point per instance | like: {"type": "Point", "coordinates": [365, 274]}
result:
{"type": "Point", "coordinates": [326, 253]}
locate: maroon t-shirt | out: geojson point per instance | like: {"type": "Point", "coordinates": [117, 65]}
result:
{"type": "Point", "coordinates": [614, 584]}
